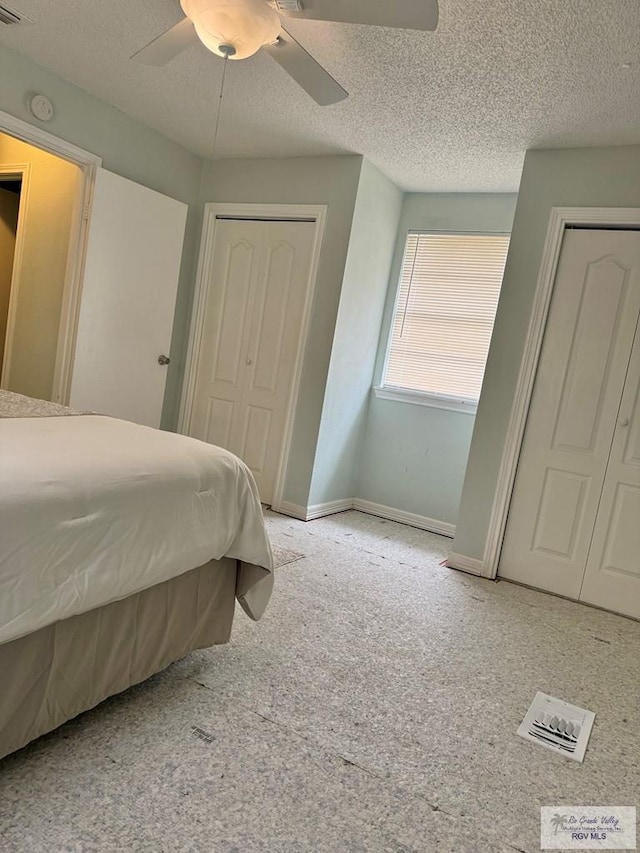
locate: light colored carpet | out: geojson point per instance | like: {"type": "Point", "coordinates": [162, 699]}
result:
{"type": "Point", "coordinates": [372, 710]}
{"type": "Point", "coordinates": [284, 556]}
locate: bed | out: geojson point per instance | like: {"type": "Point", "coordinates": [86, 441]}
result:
{"type": "Point", "coordinates": [122, 548]}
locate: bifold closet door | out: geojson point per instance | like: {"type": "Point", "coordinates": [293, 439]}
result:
{"type": "Point", "coordinates": [251, 340]}
{"type": "Point", "coordinates": [612, 578]}
{"type": "Point", "coordinates": [574, 415]}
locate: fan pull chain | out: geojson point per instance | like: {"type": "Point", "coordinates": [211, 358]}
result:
{"type": "Point", "coordinates": [228, 51]}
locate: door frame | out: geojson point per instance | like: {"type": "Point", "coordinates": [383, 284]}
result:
{"type": "Point", "coordinates": [88, 164]}
{"type": "Point", "coordinates": [316, 213]}
{"type": "Point", "coordinates": [560, 219]}
{"type": "Point", "coordinates": [21, 172]}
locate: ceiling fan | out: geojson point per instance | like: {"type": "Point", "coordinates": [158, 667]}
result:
{"type": "Point", "coordinates": [236, 29]}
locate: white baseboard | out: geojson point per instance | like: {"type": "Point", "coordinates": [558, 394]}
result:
{"type": "Point", "coordinates": [443, 528]}
{"type": "Point", "coordinates": [293, 510]}
{"type": "Point", "coordinates": [466, 564]}
{"type": "Point", "coordinates": [329, 508]}
{"type": "Point", "coordinates": [314, 511]}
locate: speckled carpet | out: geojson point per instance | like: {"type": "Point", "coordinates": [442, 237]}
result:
{"type": "Point", "coordinates": [284, 556]}
{"type": "Point", "coordinates": [373, 709]}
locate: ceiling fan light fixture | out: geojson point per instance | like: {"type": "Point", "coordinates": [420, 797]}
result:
{"type": "Point", "coordinates": [245, 25]}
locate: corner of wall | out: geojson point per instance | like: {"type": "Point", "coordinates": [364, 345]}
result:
{"type": "Point", "coordinates": [363, 293]}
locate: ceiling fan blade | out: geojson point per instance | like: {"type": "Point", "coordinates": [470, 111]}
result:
{"type": "Point", "coordinates": [402, 14]}
{"type": "Point", "coordinates": [305, 70]}
{"type": "Point", "coordinates": [164, 47]}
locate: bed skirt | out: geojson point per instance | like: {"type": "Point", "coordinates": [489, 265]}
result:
{"type": "Point", "coordinates": [61, 670]}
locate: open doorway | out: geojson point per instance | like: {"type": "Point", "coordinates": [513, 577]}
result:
{"type": "Point", "coordinates": [38, 207]}
{"type": "Point", "coordinates": [10, 190]}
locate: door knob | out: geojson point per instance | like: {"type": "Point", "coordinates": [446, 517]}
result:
{"type": "Point", "coordinates": [164, 359]}
{"type": "Point", "coordinates": [624, 422]}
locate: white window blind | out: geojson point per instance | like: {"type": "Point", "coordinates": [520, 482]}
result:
{"type": "Point", "coordinates": [444, 314]}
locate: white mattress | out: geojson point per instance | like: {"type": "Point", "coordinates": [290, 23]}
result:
{"type": "Point", "coordinates": [93, 509]}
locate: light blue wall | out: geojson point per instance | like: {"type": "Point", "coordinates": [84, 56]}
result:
{"type": "Point", "coordinates": [135, 151]}
{"type": "Point", "coordinates": [301, 180]}
{"type": "Point", "coordinates": [586, 177]}
{"type": "Point", "coordinates": [413, 458]}
{"type": "Point", "coordinates": [126, 146]}
{"type": "Point", "coordinates": [130, 149]}
{"type": "Point", "coordinates": [355, 343]}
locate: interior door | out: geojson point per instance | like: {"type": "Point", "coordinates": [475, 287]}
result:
{"type": "Point", "coordinates": [574, 410]}
{"type": "Point", "coordinates": [612, 577]}
{"type": "Point", "coordinates": [251, 340]}
{"type": "Point", "coordinates": [128, 300]}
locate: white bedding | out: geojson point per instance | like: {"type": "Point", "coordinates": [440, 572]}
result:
{"type": "Point", "coordinates": [93, 509]}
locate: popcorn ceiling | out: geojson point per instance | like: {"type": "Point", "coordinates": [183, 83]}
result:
{"type": "Point", "coordinates": [453, 110]}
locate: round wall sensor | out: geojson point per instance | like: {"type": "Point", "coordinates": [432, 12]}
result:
{"type": "Point", "coordinates": [41, 107]}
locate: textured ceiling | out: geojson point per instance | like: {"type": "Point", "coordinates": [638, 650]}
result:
{"type": "Point", "coordinates": [453, 110]}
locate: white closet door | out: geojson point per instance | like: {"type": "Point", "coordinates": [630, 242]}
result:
{"type": "Point", "coordinates": [128, 300]}
{"type": "Point", "coordinates": [251, 340]}
{"type": "Point", "coordinates": [217, 401]}
{"type": "Point", "coordinates": [574, 410]}
{"type": "Point", "coordinates": [612, 578]}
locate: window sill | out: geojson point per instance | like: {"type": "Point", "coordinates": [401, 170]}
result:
{"type": "Point", "coordinates": [417, 398]}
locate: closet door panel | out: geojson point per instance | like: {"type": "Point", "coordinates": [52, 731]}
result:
{"type": "Point", "coordinates": [219, 421]}
{"type": "Point", "coordinates": [271, 315]}
{"type": "Point", "coordinates": [612, 577]}
{"type": "Point", "coordinates": [573, 411]}
{"type": "Point", "coordinates": [590, 357]}
{"type": "Point", "coordinates": [275, 340]}
{"type": "Point", "coordinates": [254, 444]}
{"type": "Point", "coordinates": [252, 338]}
{"type": "Point", "coordinates": [218, 399]}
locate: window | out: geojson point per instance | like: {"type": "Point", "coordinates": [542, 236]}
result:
{"type": "Point", "coordinates": [444, 314]}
